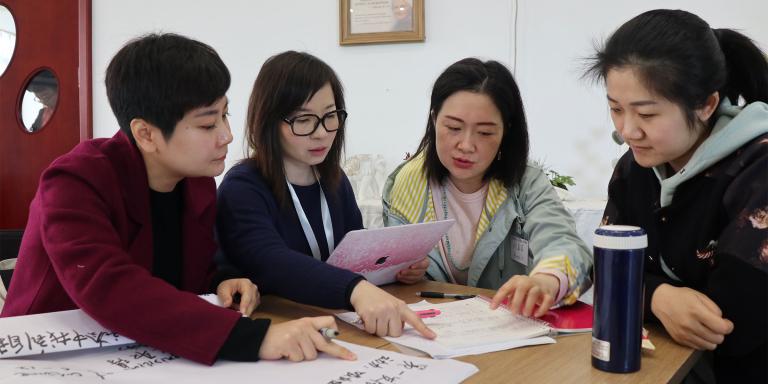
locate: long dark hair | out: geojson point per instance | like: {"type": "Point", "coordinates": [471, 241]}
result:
{"type": "Point", "coordinates": [493, 79]}
{"type": "Point", "coordinates": [679, 57]}
{"type": "Point", "coordinates": [285, 82]}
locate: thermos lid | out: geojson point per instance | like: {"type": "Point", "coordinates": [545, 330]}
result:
{"type": "Point", "coordinates": [620, 237]}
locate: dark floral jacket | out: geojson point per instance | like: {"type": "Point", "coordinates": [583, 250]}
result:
{"type": "Point", "coordinates": [713, 236]}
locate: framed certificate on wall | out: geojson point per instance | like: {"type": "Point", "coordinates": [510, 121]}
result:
{"type": "Point", "coordinates": [380, 21]}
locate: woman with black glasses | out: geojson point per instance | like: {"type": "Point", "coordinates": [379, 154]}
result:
{"type": "Point", "coordinates": [283, 209]}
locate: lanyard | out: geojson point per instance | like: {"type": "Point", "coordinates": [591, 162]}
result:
{"type": "Point", "coordinates": [327, 224]}
{"type": "Point", "coordinates": [446, 242]}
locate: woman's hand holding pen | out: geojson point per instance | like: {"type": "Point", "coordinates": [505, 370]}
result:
{"type": "Point", "coordinates": [414, 273]}
{"type": "Point", "coordinates": [299, 340]}
{"type": "Point", "coordinates": [524, 293]}
{"type": "Point", "coordinates": [247, 291]}
{"type": "Point", "coordinates": [384, 314]}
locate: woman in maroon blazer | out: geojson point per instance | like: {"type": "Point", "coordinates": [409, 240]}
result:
{"type": "Point", "coordinates": [122, 228]}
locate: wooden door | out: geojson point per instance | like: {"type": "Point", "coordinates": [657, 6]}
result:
{"type": "Point", "coordinates": [52, 36]}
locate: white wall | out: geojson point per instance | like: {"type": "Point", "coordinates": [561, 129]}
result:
{"type": "Point", "coordinates": [388, 85]}
{"type": "Point", "coordinates": [568, 117]}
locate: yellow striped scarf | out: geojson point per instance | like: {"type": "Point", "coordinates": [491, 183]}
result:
{"type": "Point", "coordinates": [411, 197]}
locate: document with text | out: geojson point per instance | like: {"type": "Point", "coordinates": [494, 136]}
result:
{"type": "Point", "coordinates": [468, 327]}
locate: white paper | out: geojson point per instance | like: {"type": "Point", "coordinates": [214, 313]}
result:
{"type": "Point", "coordinates": [139, 364]}
{"type": "Point", "coordinates": [54, 332]}
{"type": "Point", "coordinates": [468, 327]}
{"type": "Point", "coordinates": [62, 331]}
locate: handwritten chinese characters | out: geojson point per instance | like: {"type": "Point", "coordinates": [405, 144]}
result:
{"type": "Point", "coordinates": [38, 343]}
{"type": "Point", "coordinates": [124, 358]}
{"type": "Point", "coordinates": [381, 370]}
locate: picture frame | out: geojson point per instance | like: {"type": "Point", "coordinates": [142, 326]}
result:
{"type": "Point", "coordinates": [380, 21]}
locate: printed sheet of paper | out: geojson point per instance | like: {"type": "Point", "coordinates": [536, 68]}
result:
{"type": "Point", "coordinates": [468, 327]}
{"type": "Point", "coordinates": [139, 364]}
{"type": "Point", "coordinates": [63, 331]}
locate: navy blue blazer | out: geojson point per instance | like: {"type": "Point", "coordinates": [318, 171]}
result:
{"type": "Point", "coordinates": [266, 242]}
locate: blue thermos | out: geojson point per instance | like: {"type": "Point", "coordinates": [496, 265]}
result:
{"type": "Point", "coordinates": [618, 298]}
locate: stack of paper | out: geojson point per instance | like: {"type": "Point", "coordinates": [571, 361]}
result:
{"type": "Point", "coordinates": [468, 327]}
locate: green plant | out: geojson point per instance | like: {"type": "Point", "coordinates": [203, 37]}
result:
{"type": "Point", "coordinates": [555, 178]}
{"type": "Point", "coordinates": [560, 181]}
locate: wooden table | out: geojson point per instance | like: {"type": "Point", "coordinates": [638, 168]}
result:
{"type": "Point", "coordinates": [567, 361]}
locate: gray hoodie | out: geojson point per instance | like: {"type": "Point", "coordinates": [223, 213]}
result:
{"type": "Point", "coordinates": [744, 124]}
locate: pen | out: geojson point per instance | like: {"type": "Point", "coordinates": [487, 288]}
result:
{"type": "Point", "coordinates": [328, 333]}
{"type": "Point", "coordinates": [441, 295]}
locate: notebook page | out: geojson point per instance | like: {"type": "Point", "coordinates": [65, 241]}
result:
{"type": "Point", "coordinates": [468, 327]}
{"type": "Point", "coordinates": [468, 323]}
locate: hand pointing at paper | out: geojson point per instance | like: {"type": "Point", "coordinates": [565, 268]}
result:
{"type": "Point", "coordinates": [526, 293]}
{"type": "Point", "coordinates": [384, 314]}
{"type": "Point", "coordinates": [299, 340]}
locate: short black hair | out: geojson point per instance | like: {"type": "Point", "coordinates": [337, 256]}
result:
{"type": "Point", "coordinates": [493, 79]}
{"type": "Point", "coordinates": [285, 82]}
{"type": "Point", "coordinates": [160, 77]}
{"type": "Point", "coordinates": [679, 57]}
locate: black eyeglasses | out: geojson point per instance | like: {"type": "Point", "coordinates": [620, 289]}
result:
{"type": "Point", "coordinates": [306, 124]}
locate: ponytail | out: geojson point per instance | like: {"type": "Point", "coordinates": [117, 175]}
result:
{"type": "Point", "coordinates": [746, 67]}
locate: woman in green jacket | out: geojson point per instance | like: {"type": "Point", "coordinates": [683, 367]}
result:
{"type": "Point", "coordinates": [511, 232]}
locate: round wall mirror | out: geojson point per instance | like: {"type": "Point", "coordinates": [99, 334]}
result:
{"type": "Point", "coordinates": [39, 102]}
{"type": "Point", "coordinates": [7, 38]}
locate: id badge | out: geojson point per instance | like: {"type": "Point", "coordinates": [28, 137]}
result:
{"type": "Point", "coordinates": [520, 250]}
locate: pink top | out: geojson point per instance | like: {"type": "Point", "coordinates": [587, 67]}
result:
{"type": "Point", "coordinates": [466, 209]}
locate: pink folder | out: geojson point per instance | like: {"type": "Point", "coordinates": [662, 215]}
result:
{"type": "Point", "coordinates": [378, 254]}
{"type": "Point", "coordinates": [574, 318]}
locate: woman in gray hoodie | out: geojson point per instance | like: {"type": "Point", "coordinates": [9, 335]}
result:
{"type": "Point", "coordinates": [690, 101]}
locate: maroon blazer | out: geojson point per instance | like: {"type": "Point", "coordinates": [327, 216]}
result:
{"type": "Point", "coordinates": [88, 245]}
